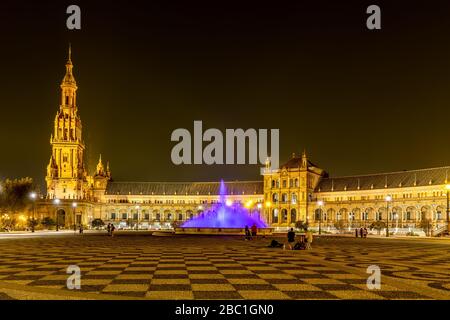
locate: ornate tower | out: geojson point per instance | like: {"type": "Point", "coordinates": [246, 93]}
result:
{"type": "Point", "coordinates": [66, 174]}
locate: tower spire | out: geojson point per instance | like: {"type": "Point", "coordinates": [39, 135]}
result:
{"type": "Point", "coordinates": [70, 53]}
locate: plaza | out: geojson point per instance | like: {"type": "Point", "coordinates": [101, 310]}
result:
{"type": "Point", "coordinates": [137, 265]}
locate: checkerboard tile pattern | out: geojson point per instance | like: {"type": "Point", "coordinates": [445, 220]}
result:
{"type": "Point", "coordinates": [187, 268]}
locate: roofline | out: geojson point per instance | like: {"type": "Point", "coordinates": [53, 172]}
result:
{"type": "Point", "coordinates": [387, 173]}
{"type": "Point", "coordinates": [187, 182]}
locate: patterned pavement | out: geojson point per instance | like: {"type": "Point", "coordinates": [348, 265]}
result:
{"type": "Point", "coordinates": [202, 267]}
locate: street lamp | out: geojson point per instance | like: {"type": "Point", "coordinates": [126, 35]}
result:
{"type": "Point", "coordinates": [33, 197]}
{"type": "Point", "coordinates": [74, 206]}
{"type": "Point", "coordinates": [388, 199]}
{"type": "Point", "coordinates": [320, 204]}
{"type": "Point", "coordinates": [56, 202]}
{"type": "Point", "coordinates": [137, 211]}
{"type": "Point", "coordinates": [448, 207]}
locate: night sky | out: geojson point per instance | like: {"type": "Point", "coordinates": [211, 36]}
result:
{"type": "Point", "coordinates": [358, 101]}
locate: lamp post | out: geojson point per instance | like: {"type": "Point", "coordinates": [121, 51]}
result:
{"type": "Point", "coordinates": [137, 211]}
{"type": "Point", "coordinates": [320, 204]}
{"type": "Point", "coordinates": [388, 199]}
{"type": "Point", "coordinates": [448, 207]}
{"type": "Point", "coordinates": [56, 202]}
{"type": "Point", "coordinates": [74, 206]}
{"type": "Point", "coordinates": [33, 199]}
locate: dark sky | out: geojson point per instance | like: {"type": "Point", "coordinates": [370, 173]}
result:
{"type": "Point", "coordinates": [358, 101]}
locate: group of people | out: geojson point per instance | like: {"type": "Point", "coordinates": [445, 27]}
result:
{"type": "Point", "coordinates": [303, 243]}
{"type": "Point", "coordinates": [362, 232]}
{"type": "Point", "coordinates": [110, 227]}
{"type": "Point", "coordinates": [250, 233]}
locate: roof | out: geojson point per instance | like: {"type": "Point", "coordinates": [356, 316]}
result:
{"type": "Point", "coordinates": [410, 178]}
{"type": "Point", "coordinates": [182, 188]}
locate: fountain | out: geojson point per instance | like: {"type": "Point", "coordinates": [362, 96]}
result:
{"type": "Point", "coordinates": [224, 217]}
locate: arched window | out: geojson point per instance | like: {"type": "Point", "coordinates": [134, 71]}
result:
{"type": "Point", "coordinates": [317, 214]}
{"type": "Point", "coordinates": [294, 198]}
{"type": "Point", "coordinates": [296, 183]}
{"type": "Point", "coordinates": [284, 215]}
{"type": "Point", "coordinates": [275, 215]}
{"type": "Point", "coordinates": [284, 198]}
{"type": "Point", "coordinates": [158, 216]}
{"type": "Point", "coordinates": [275, 197]}
{"type": "Point", "coordinates": [293, 215]}
{"type": "Point", "coordinates": [273, 183]}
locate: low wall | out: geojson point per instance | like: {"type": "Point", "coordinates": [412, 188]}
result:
{"type": "Point", "coordinates": [220, 231]}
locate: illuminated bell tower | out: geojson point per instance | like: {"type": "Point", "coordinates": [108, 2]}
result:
{"type": "Point", "coordinates": [66, 174]}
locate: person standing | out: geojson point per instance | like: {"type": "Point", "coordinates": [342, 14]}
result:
{"type": "Point", "coordinates": [356, 232]}
{"type": "Point", "coordinates": [361, 233]}
{"type": "Point", "coordinates": [309, 240]}
{"type": "Point", "coordinates": [247, 233]}
{"type": "Point", "coordinates": [254, 230]}
{"type": "Point", "coordinates": [108, 228]}
{"type": "Point", "coordinates": [112, 230]}
{"type": "Point", "coordinates": [291, 238]}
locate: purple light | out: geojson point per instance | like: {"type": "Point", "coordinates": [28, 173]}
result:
{"type": "Point", "coordinates": [221, 215]}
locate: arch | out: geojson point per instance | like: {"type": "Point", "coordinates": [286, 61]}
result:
{"type": "Point", "coordinates": [284, 198]}
{"type": "Point", "coordinates": [189, 214]}
{"type": "Point", "coordinates": [61, 217]}
{"type": "Point", "coordinates": [368, 214]}
{"type": "Point", "coordinates": [157, 215]}
{"type": "Point", "coordinates": [331, 214]}
{"type": "Point", "coordinates": [275, 197]}
{"type": "Point", "coordinates": [356, 214]}
{"type": "Point", "coordinates": [425, 213]}
{"type": "Point", "coordinates": [440, 213]}
{"type": "Point", "coordinates": [317, 214]}
{"type": "Point", "coordinates": [294, 198]}
{"type": "Point", "coordinates": [396, 213]}
{"type": "Point", "coordinates": [341, 214]}
{"type": "Point", "coordinates": [275, 216]}
{"type": "Point", "coordinates": [410, 213]}
{"type": "Point", "coordinates": [284, 215]}
{"type": "Point", "coordinates": [293, 215]}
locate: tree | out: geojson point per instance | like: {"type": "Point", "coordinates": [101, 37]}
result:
{"type": "Point", "coordinates": [15, 195]}
{"type": "Point", "coordinates": [427, 226]}
{"type": "Point", "coordinates": [33, 223]}
{"type": "Point", "coordinates": [302, 226]}
{"type": "Point", "coordinates": [339, 225]}
{"type": "Point", "coordinates": [48, 222]}
{"type": "Point", "coordinates": [97, 223]}
{"type": "Point", "coordinates": [378, 225]}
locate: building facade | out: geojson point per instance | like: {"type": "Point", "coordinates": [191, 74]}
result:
{"type": "Point", "coordinates": [297, 191]}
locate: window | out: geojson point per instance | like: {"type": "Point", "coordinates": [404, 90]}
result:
{"type": "Point", "coordinates": [180, 216]}
{"type": "Point", "coordinates": [158, 216]}
{"type": "Point", "coordinates": [135, 216]}
{"type": "Point", "coordinates": [147, 216]}
{"type": "Point", "coordinates": [275, 216]}
{"type": "Point", "coordinates": [294, 198]}
{"type": "Point", "coordinates": [284, 184]}
{"type": "Point", "coordinates": [293, 215]}
{"type": "Point", "coordinates": [284, 198]}
{"type": "Point", "coordinates": [124, 216]}
{"type": "Point", "coordinates": [296, 183]}
{"type": "Point", "coordinates": [275, 197]}
{"type": "Point", "coordinates": [113, 216]}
